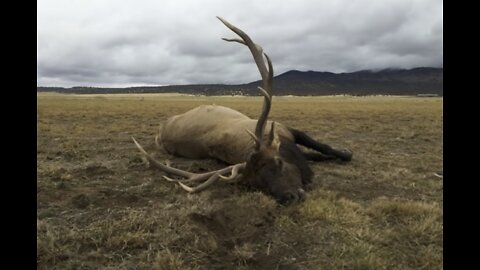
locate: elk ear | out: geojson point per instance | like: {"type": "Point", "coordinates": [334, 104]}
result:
{"type": "Point", "coordinates": [276, 143]}
{"type": "Point", "coordinates": [257, 141]}
{"type": "Point", "coordinates": [271, 136]}
{"type": "Point", "coordinates": [273, 139]}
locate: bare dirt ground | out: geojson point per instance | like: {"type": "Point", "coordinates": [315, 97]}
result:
{"type": "Point", "coordinates": [99, 206]}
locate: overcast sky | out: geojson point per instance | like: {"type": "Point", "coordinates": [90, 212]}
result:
{"type": "Point", "coordinates": [113, 43]}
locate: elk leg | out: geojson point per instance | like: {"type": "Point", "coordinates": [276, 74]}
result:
{"type": "Point", "coordinates": [317, 156]}
{"type": "Point", "coordinates": [303, 139]}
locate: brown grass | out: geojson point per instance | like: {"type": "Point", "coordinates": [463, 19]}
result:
{"type": "Point", "coordinates": [100, 207]}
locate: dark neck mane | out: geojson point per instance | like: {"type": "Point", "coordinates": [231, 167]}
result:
{"type": "Point", "coordinates": [292, 154]}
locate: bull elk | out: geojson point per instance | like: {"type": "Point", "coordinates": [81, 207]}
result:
{"type": "Point", "coordinates": [269, 161]}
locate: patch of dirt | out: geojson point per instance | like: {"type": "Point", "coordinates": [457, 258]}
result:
{"type": "Point", "coordinates": [241, 235]}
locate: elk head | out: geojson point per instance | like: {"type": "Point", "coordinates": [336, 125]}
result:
{"type": "Point", "coordinates": [265, 168]}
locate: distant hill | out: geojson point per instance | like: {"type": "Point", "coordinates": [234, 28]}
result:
{"type": "Point", "coordinates": [416, 81]}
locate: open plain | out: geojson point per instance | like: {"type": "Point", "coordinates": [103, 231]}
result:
{"type": "Point", "coordinates": [99, 206]}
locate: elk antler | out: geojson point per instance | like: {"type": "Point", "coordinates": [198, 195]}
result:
{"type": "Point", "coordinates": [234, 170]}
{"type": "Point", "coordinates": [266, 73]}
{"type": "Point", "coordinates": [210, 177]}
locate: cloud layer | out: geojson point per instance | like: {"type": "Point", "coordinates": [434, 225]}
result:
{"type": "Point", "coordinates": [144, 42]}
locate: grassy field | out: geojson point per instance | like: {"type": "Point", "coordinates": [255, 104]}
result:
{"type": "Point", "coordinates": [100, 207]}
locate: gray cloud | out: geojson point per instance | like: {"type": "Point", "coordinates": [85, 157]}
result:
{"type": "Point", "coordinates": [112, 43]}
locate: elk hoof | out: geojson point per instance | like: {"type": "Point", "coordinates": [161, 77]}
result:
{"type": "Point", "coordinates": [346, 154]}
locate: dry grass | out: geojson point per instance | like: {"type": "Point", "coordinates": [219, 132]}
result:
{"type": "Point", "coordinates": [100, 207]}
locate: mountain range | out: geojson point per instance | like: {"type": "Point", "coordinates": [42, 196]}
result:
{"type": "Point", "coordinates": [416, 81]}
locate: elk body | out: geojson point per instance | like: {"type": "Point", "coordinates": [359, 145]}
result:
{"type": "Point", "coordinates": [264, 154]}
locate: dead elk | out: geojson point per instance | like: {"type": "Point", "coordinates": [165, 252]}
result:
{"type": "Point", "coordinates": [270, 161]}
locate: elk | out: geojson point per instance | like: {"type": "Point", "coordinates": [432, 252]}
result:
{"type": "Point", "coordinates": [267, 160]}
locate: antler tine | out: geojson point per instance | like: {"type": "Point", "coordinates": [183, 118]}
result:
{"type": "Point", "coordinates": [266, 73]}
{"type": "Point", "coordinates": [235, 40]}
{"type": "Point", "coordinates": [233, 169]}
{"type": "Point", "coordinates": [235, 172]}
{"type": "Point", "coordinates": [264, 92]}
{"type": "Point", "coordinates": [202, 186]}
{"type": "Point", "coordinates": [262, 120]}
{"type": "Point", "coordinates": [193, 177]}
{"type": "Point", "coordinates": [214, 178]}
{"type": "Point", "coordinates": [254, 48]}
{"type": "Point", "coordinates": [159, 165]}
{"type": "Point", "coordinates": [170, 170]}
{"type": "Point", "coordinates": [255, 138]}
{"type": "Point", "coordinates": [270, 74]}
{"type": "Point", "coordinates": [267, 104]}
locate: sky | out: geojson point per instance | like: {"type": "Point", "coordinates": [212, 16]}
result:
{"type": "Point", "coordinates": [113, 43]}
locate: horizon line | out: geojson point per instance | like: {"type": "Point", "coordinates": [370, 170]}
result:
{"type": "Point", "coordinates": [166, 85]}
